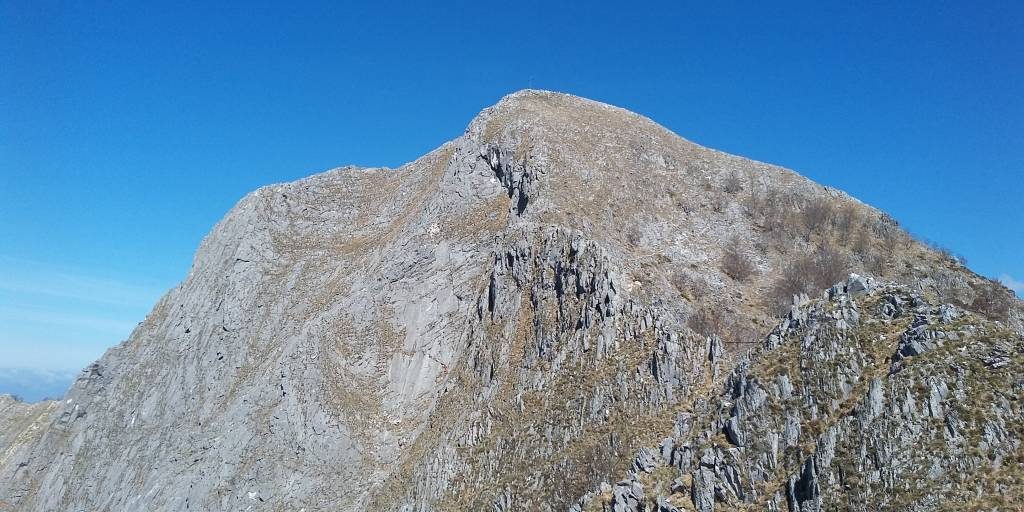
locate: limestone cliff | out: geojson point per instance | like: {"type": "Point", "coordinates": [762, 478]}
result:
{"type": "Point", "coordinates": [567, 306]}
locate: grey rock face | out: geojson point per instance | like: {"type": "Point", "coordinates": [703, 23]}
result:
{"type": "Point", "coordinates": [891, 439]}
{"type": "Point", "coordinates": [628, 496]}
{"type": "Point", "coordinates": [503, 325]}
{"type": "Point", "coordinates": [646, 460]}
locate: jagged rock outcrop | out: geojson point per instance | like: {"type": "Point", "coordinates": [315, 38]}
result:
{"type": "Point", "coordinates": [833, 412]}
{"type": "Point", "coordinates": [539, 315]}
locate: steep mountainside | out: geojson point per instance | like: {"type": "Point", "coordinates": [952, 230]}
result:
{"type": "Point", "coordinates": [567, 306]}
{"type": "Point", "coordinates": [869, 398]}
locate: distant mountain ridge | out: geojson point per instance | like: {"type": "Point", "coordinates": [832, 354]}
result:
{"type": "Point", "coordinates": [568, 307]}
{"type": "Point", "coordinates": [34, 384]}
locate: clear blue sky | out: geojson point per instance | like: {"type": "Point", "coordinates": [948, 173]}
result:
{"type": "Point", "coordinates": [127, 131]}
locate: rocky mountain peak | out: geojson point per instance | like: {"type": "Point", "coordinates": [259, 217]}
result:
{"type": "Point", "coordinates": [567, 306]}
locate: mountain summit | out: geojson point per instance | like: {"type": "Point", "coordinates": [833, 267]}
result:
{"type": "Point", "coordinates": [568, 307]}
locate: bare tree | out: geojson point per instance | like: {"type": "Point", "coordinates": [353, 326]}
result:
{"type": "Point", "coordinates": [689, 285]}
{"type": "Point", "coordinates": [733, 183]}
{"type": "Point", "coordinates": [817, 213]}
{"type": "Point", "coordinates": [736, 263]}
{"type": "Point", "coordinates": [706, 321]}
{"type": "Point", "coordinates": [993, 300]}
{"type": "Point", "coordinates": [808, 274]}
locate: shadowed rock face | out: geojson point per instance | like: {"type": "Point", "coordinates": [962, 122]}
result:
{"type": "Point", "coordinates": [538, 315]}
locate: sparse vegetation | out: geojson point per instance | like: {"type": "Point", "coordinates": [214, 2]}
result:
{"type": "Point", "coordinates": [690, 286]}
{"type": "Point", "coordinates": [771, 211]}
{"type": "Point", "coordinates": [733, 183]}
{"type": "Point", "coordinates": [944, 251]}
{"type": "Point", "coordinates": [713, 320]}
{"type": "Point", "coordinates": [634, 237]}
{"type": "Point", "coordinates": [993, 300]}
{"type": "Point", "coordinates": [808, 274]}
{"type": "Point", "coordinates": [888, 231]}
{"type": "Point", "coordinates": [706, 321]}
{"type": "Point", "coordinates": [818, 213]}
{"type": "Point", "coordinates": [845, 219]}
{"type": "Point", "coordinates": [736, 263]}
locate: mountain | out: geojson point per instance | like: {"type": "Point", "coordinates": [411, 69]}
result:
{"type": "Point", "coordinates": [566, 308]}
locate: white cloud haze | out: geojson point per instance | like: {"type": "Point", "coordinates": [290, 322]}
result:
{"type": "Point", "coordinates": [56, 319]}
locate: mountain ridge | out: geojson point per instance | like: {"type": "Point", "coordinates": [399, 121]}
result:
{"type": "Point", "coordinates": [416, 338]}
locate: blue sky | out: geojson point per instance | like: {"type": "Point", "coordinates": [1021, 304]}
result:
{"type": "Point", "coordinates": [128, 129]}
